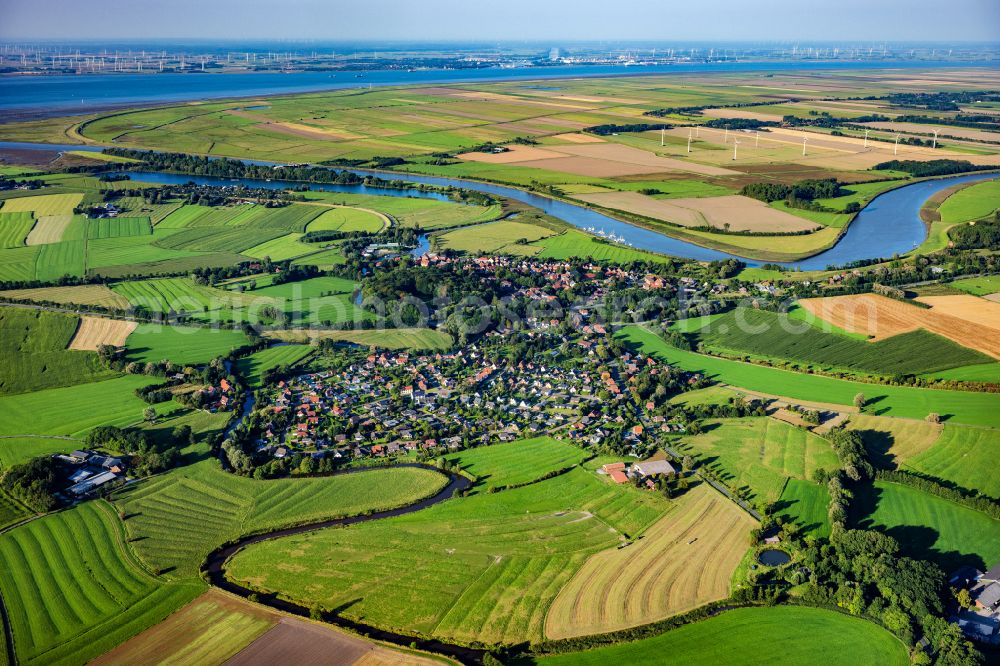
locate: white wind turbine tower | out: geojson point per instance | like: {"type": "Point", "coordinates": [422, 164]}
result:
{"type": "Point", "coordinates": [895, 148]}
{"type": "Point", "coordinates": [804, 139]}
{"type": "Point", "coordinates": [756, 141]}
{"type": "Point", "coordinates": [935, 139]}
{"type": "Point", "coordinates": [866, 137]}
{"type": "Point", "coordinates": [662, 132]}
{"type": "Point", "coordinates": [725, 138]}
{"type": "Point", "coordinates": [689, 139]}
{"type": "Point", "coordinates": [736, 144]}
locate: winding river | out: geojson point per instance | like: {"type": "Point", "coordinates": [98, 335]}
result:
{"type": "Point", "coordinates": [214, 569]}
{"type": "Point", "coordinates": [890, 224]}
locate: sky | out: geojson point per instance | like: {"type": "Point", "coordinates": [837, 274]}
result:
{"type": "Point", "coordinates": [503, 20]}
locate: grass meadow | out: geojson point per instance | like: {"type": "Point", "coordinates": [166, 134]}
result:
{"type": "Point", "coordinates": [759, 454]}
{"type": "Point", "coordinates": [751, 637]}
{"type": "Point", "coordinates": [34, 355]}
{"type": "Point", "coordinates": [928, 527]}
{"type": "Point", "coordinates": [958, 406]}
{"type": "Point", "coordinates": [66, 616]}
{"type": "Point", "coordinates": [14, 228]}
{"type": "Point", "coordinates": [181, 344]}
{"type": "Point", "coordinates": [572, 243]}
{"type": "Point", "coordinates": [485, 567]}
{"type": "Point", "coordinates": [515, 463]}
{"type": "Point", "coordinates": [252, 367]}
{"type": "Point", "coordinates": [762, 334]}
{"type": "Point", "coordinates": [971, 203]}
{"type": "Point", "coordinates": [806, 503]}
{"type": "Point", "coordinates": [181, 516]}
{"type": "Point", "coordinates": [73, 410]}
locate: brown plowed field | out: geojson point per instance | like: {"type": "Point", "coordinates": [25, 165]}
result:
{"type": "Point", "coordinates": [882, 317]}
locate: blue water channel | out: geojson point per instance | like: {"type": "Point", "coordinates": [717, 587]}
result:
{"type": "Point", "coordinates": [889, 225]}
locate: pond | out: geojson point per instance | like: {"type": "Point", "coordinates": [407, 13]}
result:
{"type": "Point", "coordinates": [773, 557]}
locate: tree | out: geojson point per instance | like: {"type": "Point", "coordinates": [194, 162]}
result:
{"type": "Point", "coordinates": [934, 417]}
{"type": "Point", "coordinates": [859, 401]}
{"type": "Point", "coordinates": [964, 598]}
{"type": "Point", "coordinates": [149, 414]}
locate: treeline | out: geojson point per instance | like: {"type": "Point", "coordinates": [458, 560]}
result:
{"type": "Point", "coordinates": [981, 121]}
{"type": "Point", "coordinates": [740, 123]}
{"type": "Point", "coordinates": [982, 234]}
{"type": "Point", "coordinates": [696, 110]}
{"type": "Point", "coordinates": [146, 456]}
{"type": "Point", "coordinates": [941, 167]}
{"type": "Point", "coordinates": [34, 483]}
{"type": "Point", "coordinates": [611, 128]}
{"type": "Point", "coordinates": [806, 190]}
{"type": "Point", "coordinates": [941, 101]}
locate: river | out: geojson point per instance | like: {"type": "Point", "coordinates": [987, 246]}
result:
{"type": "Point", "coordinates": [889, 225]}
{"type": "Point", "coordinates": [214, 568]}
{"type": "Point", "coordinates": [60, 94]}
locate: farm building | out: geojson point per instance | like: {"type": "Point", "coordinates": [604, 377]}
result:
{"type": "Point", "coordinates": [653, 468]}
{"type": "Point", "coordinates": [618, 476]}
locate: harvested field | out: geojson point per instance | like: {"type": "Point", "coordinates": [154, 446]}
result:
{"type": "Point", "coordinates": [735, 212]}
{"type": "Point", "coordinates": [48, 229]}
{"type": "Point", "coordinates": [578, 138]}
{"type": "Point", "coordinates": [514, 153]}
{"type": "Point", "coordinates": [893, 442]}
{"type": "Point", "coordinates": [43, 205]}
{"type": "Point", "coordinates": [614, 152]}
{"type": "Point", "coordinates": [882, 317]}
{"type": "Point", "coordinates": [588, 166]}
{"type": "Point", "coordinates": [969, 308]}
{"type": "Point", "coordinates": [86, 294]}
{"type": "Point", "coordinates": [740, 113]}
{"type": "Point", "coordinates": [684, 560]}
{"type": "Point", "coordinates": [96, 331]}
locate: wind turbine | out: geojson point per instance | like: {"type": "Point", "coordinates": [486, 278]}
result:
{"type": "Point", "coordinates": [934, 145]}
{"type": "Point", "coordinates": [689, 139]}
{"type": "Point", "coordinates": [866, 137]}
{"type": "Point", "coordinates": [736, 144]}
{"type": "Point", "coordinates": [895, 148]}
{"type": "Point", "coordinates": [725, 139]}
{"type": "Point", "coordinates": [804, 139]}
{"type": "Point", "coordinates": [662, 130]}
{"type": "Point", "coordinates": [756, 141]}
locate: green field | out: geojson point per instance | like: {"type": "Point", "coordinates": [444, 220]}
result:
{"type": "Point", "coordinates": [492, 238]}
{"type": "Point", "coordinates": [180, 516]}
{"type": "Point", "coordinates": [959, 406]}
{"type": "Point", "coordinates": [283, 247]}
{"type": "Point", "coordinates": [413, 212]}
{"type": "Point", "coordinates": [181, 344]}
{"type": "Point", "coordinates": [78, 592]}
{"type": "Point", "coordinates": [785, 635]}
{"type": "Point", "coordinates": [516, 463]}
{"type": "Point", "coordinates": [14, 228]}
{"type": "Point", "coordinates": [33, 354]}
{"type": "Point", "coordinates": [346, 219]}
{"type": "Point", "coordinates": [964, 456]}
{"type": "Point", "coordinates": [572, 243]}
{"type": "Point", "coordinates": [43, 205]}
{"type": "Point", "coordinates": [16, 450]}
{"type": "Point", "coordinates": [252, 367]}
{"type": "Point", "coordinates": [978, 286]}
{"type": "Point", "coordinates": [759, 454]}
{"type": "Point", "coordinates": [981, 372]}
{"type": "Point", "coordinates": [73, 410]}
{"type": "Point", "coordinates": [183, 295]}
{"type": "Point", "coordinates": [54, 260]}
{"type": "Point", "coordinates": [971, 203]}
{"type": "Point", "coordinates": [11, 510]}
{"type": "Point", "coordinates": [115, 227]}
{"type": "Point", "coordinates": [770, 335]}
{"type": "Point", "coordinates": [807, 504]}
{"type": "Point", "coordinates": [928, 527]}
{"type": "Point", "coordinates": [483, 568]}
